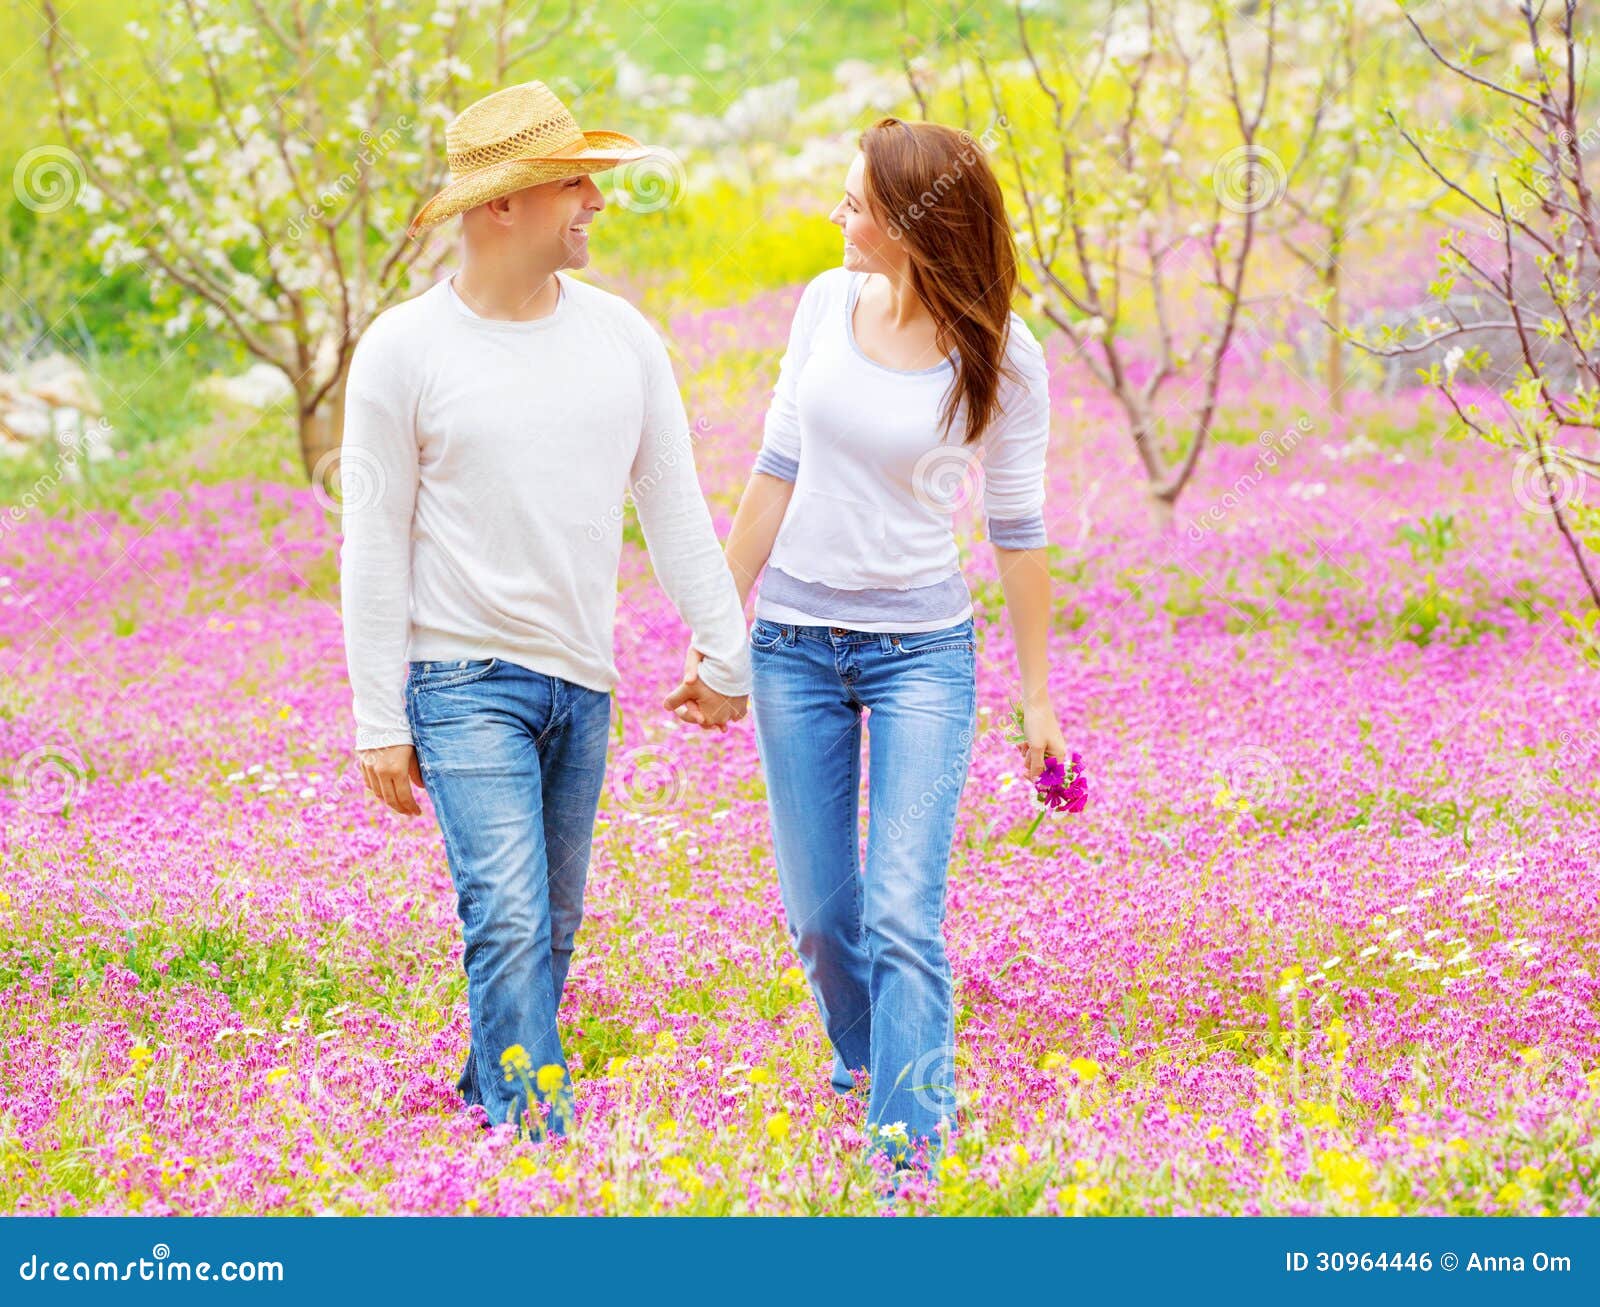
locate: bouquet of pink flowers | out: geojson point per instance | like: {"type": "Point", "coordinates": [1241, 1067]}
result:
{"type": "Point", "coordinates": [1061, 786]}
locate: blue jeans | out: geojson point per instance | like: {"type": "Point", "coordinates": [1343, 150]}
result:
{"type": "Point", "coordinates": [513, 761]}
{"type": "Point", "coordinates": [872, 947]}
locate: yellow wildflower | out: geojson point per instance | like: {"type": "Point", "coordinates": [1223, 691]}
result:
{"type": "Point", "coordinates": [758, 1075]}
{"type": "Point", "coordinates": [1086, 1069]}
{"type": "Point", "coordinates": [1053, 1061]}
{"type": "Point", "coordinates": [1319, 1114]}
{"type": "Point", "coordinates": [550, 1077]}
{"type": "Point", "coordinates": [1530, 1176]}
{"type": "Point", "coordinates": [778, 1127]}
{"type": "Point", "coordinates": [516, 1059]}
{"type": "Point", "coordinates": [1346, 1173]}
{"type": "Point", "coordinates": [665, 1043]}
{"type": "Point", "coordinates": [141, 1057]}
{"type": "Point", "coordinates": [1510, 1195]}
{"type": "Point", "coordinates": [1338, 1037]}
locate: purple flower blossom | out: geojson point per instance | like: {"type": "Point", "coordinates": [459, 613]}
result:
{"type": "Point", "coordinates": [1059, 788]}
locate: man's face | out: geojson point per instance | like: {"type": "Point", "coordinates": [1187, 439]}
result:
{"type": "Point", "coordinates": [553, 218]}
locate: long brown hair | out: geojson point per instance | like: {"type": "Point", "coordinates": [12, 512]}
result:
{"type": "Point", "coordinates": [932, 186]}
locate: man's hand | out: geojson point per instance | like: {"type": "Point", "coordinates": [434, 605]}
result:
{"type": "Point", "coordinates": [390, 773]}
{"type": "Point", "coordinates": [697, 703]}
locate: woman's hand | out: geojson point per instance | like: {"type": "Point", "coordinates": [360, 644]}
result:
{"type": "Point", "coordinates": [1044, 738]}
{"type": "Point", "coordinates": [690, 711]}
{"type": "Point", "coordinates": [697, 703]}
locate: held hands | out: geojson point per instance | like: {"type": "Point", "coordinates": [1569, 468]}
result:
{"type": "Point", "coordinates": [697, 703]}
{"type": "Point", "coordinates": [1044, 738]}
{"type": "Point", "coordinates": [389, 774]}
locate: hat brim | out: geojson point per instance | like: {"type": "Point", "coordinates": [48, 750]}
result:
{"type": "Point", "coordinates": [600, 150]}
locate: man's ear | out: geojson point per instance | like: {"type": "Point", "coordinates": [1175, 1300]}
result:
{"type": "Point", "coordinates": [499, 209]}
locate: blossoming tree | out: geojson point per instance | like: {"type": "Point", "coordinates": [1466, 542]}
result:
{"type": "Point", "coordinates": [261, 161]}
{"type": "Point", "coordinates": [1530, 261]}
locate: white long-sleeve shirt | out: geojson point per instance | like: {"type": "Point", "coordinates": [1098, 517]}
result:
{"type": "Point", "coordinates": [867, 541]}
{"type": "Point", "coordinates": [484, 470]}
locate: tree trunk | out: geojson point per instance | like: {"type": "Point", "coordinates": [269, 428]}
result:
{"type": "Point", "coordinates": [320, 435]}
{"type": "Point", "coordinates": [1162, 514]}
{"type": "Point", "coordinates": [1335, 342]}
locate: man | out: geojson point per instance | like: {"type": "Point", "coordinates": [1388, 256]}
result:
{"type": "Point", "coordinates": [493, 425]}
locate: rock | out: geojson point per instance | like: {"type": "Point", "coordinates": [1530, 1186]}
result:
{"type": "Point", "coordinates": [60, 382]}
{"type": "Point", "coordinates": [52, 402]}
{"type": "Point", "coordinates": [259, 386]}
{"type": "Point", "coordinates": [28, 422]}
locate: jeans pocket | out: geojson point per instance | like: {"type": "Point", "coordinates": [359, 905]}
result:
{"type": "Point", "coordinates": [960, 636]}
{"type": "Point", "coordinates": [448, 673]}
{"type": "Point", "coordinates": [765, 634]}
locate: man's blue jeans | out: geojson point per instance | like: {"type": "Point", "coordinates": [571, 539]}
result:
{"type": "Point", "coordinates": [872, 947]}
{"type": "Point", "coordinates": [513, 761]}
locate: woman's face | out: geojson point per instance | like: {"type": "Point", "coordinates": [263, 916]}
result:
{"type": "Point", "coordinates": [867, 247]}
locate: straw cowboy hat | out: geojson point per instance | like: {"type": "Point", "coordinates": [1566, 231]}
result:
{"type": "Point", "coordinates": [517, 137]}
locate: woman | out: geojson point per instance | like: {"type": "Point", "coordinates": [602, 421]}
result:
{"type": "Point", "coordinates": [906, 372]}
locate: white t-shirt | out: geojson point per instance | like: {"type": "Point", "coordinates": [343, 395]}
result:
{"type": "Point", "coordinates": [867, 542]}
{"type": "Point", "coordinates": [484, 468]}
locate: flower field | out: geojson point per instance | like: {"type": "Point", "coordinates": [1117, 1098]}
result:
{"type": "Point", "coordinates": [1321, 942]}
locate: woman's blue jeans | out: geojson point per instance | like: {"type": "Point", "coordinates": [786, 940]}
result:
{"type": "Point", "coordinates": [513, 761]}
{"type": "Point", "coordinates": [871, 946]}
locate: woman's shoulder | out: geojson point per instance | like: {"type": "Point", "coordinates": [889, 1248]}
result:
{"type": "Point", "coordinates": [830, 283]}
{"type": "Point", "coordinates": [1025, 354]}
